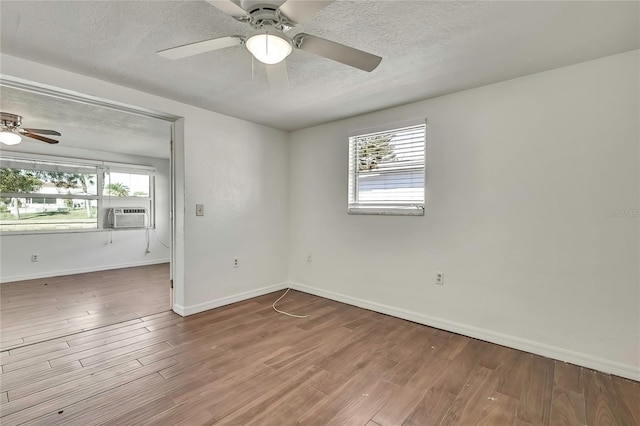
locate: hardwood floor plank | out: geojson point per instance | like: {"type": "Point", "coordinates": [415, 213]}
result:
{"type": "Point", "coordinates": [137, 409]}
{"type": "Point", "coordinates": [498, 410]}
{"type": "Point", "coordinates": [23, 377]}
{"type": "Point", "coordinates": [467, 404]}
{"type": "Point", "coordinates": [5, 345]}
{"type": "Point", "coordinates": [567, 408]}
{"type": "Point", "coordinates": [345, 395]}
{"type": "Point", "coordinates": [599, 400]}
{"type": "Point", "coordinates": [360, 410]}
{"type": "Point", "coordinates": [453, 347]}
{"type": "Point", "coordinates": [461, 367]}
{"type": "Point", "coordinates": [281, 390]}
{"type": "Point", "coordinates": [328, 382]}
{"type": "Point", "coordinates": [567, 403]}
{"type": "Point", "coordinates": [106, 332]}
{"type": "Point", "coordinates": [33, 350]}
{"type": "Point", "coordinates": [141, 412]}
{"type": "Point", "coordinates": [41, 365]}
{"type": "Point", "coordinates": [513, 374]}
{"type": "Point", "coordinates": [406, 399]}
{"type": "Point", "coordinates": [286, 410]}
{"type": "Point", "coordinates": [535, 401]}
{"type": "Point", "coordinates": [407, 364]}
{"type": "Point", "coordinates": [494, 356]}
{"type": "Point", "coordinates": [628, 398]}
{"type": "Point", "coordinates": [431, 409]}
{"type": "Point", "coordinates": [568, 377]}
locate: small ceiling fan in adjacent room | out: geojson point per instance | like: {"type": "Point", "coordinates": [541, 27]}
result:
{"type": "Point", "coordinates": [11, 131]}
{"type": "Point", "coordinates": [268, 42]}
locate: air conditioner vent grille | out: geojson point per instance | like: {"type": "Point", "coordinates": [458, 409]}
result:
{"type": "Point", "coordinates": [128, 217]}
{"type": "Point", "coordinates": [134, 210]}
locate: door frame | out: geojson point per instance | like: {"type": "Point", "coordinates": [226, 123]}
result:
{"type": "Point", "coordinates": [176, 163]}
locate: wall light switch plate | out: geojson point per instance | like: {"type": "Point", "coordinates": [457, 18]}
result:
{"type": "Point", "coordinates": [199, 209]}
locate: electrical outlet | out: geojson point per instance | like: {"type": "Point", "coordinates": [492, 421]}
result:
{"type": "Point", "coordinates": [440, 278]}
{"type": "Point", "coordinates": [34, 257]}
{"type": "Point", "coordinates": [236, 262]}
{"type": "Point", "coordinates": [309, 259]}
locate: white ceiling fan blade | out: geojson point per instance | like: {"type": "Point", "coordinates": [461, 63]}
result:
{"type": "Point", "coordinates": [337, 52]}
{"type": "Point", "coordinates": [229, 7]}
{"type": "Point", "coordinates": [300, 11]}
{"type": "Point", "coordinates": [201, 47]}
{"type": "Point", "coordinates": [277, 76]}
{"type": "Point", "coordinates": [40, 131]}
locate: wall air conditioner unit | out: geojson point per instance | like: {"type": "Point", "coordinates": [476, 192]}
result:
{"type": "Point", "coordinates": [127, 217]}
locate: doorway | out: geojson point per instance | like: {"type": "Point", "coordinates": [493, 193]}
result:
{"type": "Point", "coordinates": [88, 272]}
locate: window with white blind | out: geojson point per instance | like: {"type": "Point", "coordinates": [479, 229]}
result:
{"type": "Point", "coordinates": [387, 171]}
{"type": "Point", "coordinates": [54, 194]}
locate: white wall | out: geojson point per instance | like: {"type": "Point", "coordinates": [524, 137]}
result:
{"type": "Point", "coordinates": [70, 253]}
{"type": "Point", "coordinates": [520, 178]}
{"type": "Point", "coordinates": [237, 169]}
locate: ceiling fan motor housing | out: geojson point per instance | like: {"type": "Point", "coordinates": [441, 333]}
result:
{"type": "Point", "coordinates": [268, 15]}
{"type": "Point", "coordinates": [10, 121]}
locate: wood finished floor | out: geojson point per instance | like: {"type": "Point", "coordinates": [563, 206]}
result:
{"type": "Point", "coordinates": [244, 364]}
{"type": "Point", "coordinates": [42, 309]}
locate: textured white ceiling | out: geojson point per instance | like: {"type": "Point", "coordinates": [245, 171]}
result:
{"type": "Point", "coordinates": [429, 48]}
{"type": "Point", "coordinates": [88, 127]}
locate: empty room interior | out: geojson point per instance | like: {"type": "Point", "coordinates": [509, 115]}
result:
{"type": "Point", "coordinates": [334, 212]}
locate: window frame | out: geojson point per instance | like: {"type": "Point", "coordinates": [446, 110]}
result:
{"type": "Point", "coordinates": [390, 208]}
{"type": "Point", "coordinates": [103, 202]}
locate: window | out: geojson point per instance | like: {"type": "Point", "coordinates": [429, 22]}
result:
{"type": "Point", "coordinates": [47, 194]}
{"type": "Point", "coordinates": [387, 171]}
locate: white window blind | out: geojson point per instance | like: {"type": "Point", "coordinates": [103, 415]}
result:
{"type": "Point", "coordinates": [387, 171]}
{"type": "Point", "coordinates": [47, 166]}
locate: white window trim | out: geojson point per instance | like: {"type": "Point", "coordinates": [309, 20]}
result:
{"type": "Point", "coordinates": [393, 209]}
{"type": "Point", "coordinates": [388, 211]}
{"type": "Point", "coordinates": [103, 201]}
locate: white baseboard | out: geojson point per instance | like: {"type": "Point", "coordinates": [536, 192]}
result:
{"type": "Point", "coordinates": [623, 370]}
{"type": "Point", "coordinates": [49, 274]}
{"type": "Point", "coordinates": [227, 300]}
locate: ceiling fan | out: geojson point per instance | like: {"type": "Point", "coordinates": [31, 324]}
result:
{"type": "Point", "coordinates": [11, 131]}
{"type": "Point", "coordinates": [268, 42]}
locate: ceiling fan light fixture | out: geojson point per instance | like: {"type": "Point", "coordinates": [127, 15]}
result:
{"type": "Point", "coordinates": [8, 137]}
{"type": "Point", "coordinates": [269, 46]}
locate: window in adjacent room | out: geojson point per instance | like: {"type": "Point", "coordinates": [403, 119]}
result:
{"type": "Point", "coordinates": [387, 171]}
{"type": "Point", "coordinates": [47, 194]}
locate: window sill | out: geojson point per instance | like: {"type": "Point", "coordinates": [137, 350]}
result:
{"type": "Point", "coordinates": [387, 211]}
{"type": "Point", "coordinates": [69, 231]}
